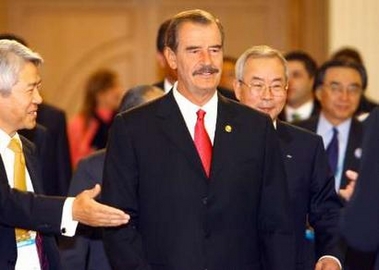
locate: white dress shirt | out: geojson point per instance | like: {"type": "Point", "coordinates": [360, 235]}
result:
{"type": "Point", "coordinates": [303, 112]}
{"type": "Point", "coordinates": [28, 260]}
{"type": "Point", "coordinates": [188, 110]}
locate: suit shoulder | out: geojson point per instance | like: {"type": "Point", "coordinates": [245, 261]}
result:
{"type": "Point", "coordinates": [301, 133]}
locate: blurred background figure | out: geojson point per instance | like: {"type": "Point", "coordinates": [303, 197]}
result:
{"type": "Point", "coordinates": [225, 86]}
{"type": "Point", "coordinates": [366, 105]}
{"type": "Point", "coordinates": [168, 74]}
{"type": "Point", "coordinates": [85, 251]}
{"type": "Point", "coordinates": [360, 221]}
{"type": "Point", "coordinates": [88, 130]}
{"type": "Point", "coordinates": [301, 102]}
{"type": "Point", "coordinates": [50, 137]}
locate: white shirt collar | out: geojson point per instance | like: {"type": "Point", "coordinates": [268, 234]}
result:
{"type": "Point", "coordinates": [188, 110]}
{"type": "Point", "coordinates": [5, 139]}
{"type": "Point", "coordinates": [304, 111]}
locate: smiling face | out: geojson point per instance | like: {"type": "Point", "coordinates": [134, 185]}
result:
{"type": "Point", "coordinates": [338, 106]}
{"type": "Point", "coordinates": [268, 71]}
{"type": "Point", "coordinates": [18, 109]}
{"type": "Point", "coordinates": [198, 60]}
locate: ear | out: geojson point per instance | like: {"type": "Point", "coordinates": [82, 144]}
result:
{"type": "Point", "coordinates": [161, 60]}
{"type": "Point", "coordinates": [318, 93]}
{"type": "Point", "coordinates": [237, 89]}
{"type": "Point", "coordinates": [170, 58]}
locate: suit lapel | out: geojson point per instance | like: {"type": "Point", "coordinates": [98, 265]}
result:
{"type": "Point", "coordinates": [32, 165]}
{"type": "Point", "coordinates": [174, 127]}
{"type": "Point", "coordinates": [224, 140]}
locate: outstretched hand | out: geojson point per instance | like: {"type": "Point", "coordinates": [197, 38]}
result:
{"type": "Point", "coordinates": [89, 212]}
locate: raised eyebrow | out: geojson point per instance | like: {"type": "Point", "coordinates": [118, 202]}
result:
{"type": "Point", "coordinates": [191, 48]}
{"type": "Point", "coordinates": [355, 84]}
{"type": "Point", "coordinates": [218, 46]}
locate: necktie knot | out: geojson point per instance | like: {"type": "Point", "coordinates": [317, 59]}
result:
{"type": "Point", "coordinates": [200, 114]}
{"type": "Point", "coordinates": [15, 145]}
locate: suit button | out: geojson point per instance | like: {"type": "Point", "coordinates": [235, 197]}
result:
{"type": "Point", "coordinates": [205, 200]}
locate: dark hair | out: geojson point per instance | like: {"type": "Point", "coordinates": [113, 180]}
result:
{"type": "Point", "coordinates": [160, 43]}
{"type": "Point", "coordinates": [320, 76]}
{"type": "Point", "coordinates": [196, 16]}
{"type": "Point", "coordinates": [135, 96]}
{"type": "Point", "coordinates": [15, 37]}
{"type": "Point", "coordinates": [348, 54]}
{"type": "Point", "coordinates": [308, 62]}
{"type": "Point", "coordinates": [100, 81]}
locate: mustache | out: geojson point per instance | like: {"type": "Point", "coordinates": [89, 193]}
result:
{"type": "Point", "coordinates": [206, 69]}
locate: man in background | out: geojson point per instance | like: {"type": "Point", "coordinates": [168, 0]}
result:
{"type": "Point", "coordinates": [301, 102]}
{"type": "Point", "coordinates": [261, 83]}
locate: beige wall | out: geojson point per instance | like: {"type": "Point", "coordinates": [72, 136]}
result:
{"type": "Point", "coordinates": [355, 23]}
{"type": "Point", "coordinates": [75, 37]}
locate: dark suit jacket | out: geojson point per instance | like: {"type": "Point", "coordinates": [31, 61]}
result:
{"type": "Point", "coordinates": [26, 211]}
{"type": "Point", "coordinates": [180, 219]}
{"type": "Point", "coordinates": [361, 218]}
{"type": "Point", "coordinates": [315, 112]}
{"type": "Point", "coordinates": [52, 143]}
{"type": "Point", "coordinates": [85, 250]}
{"type": "Point", "coordinates": [311, 188]}
{"type": "Point", "coordinates": [352, 155]}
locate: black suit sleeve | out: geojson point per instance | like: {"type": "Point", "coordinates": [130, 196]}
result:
{"type": "Point", "coordinates": [123, 244]}
{"type": "Point", "coordinates": [325, 205]}
{"type": "Point", "coordinates": [360, 221]}
{"type": "Point", "coordinates": [29, 211]}
{"type": "Point", "coordinates": [276, 223]}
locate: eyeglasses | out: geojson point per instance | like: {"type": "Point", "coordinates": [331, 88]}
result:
{"type": "Point", "coordinates": [277, 89]}
{"type": "Point", "coordinates": [338, 89]}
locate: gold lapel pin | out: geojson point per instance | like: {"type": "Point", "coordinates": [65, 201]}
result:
{"type": "Point", "coordinates": [228, 128]}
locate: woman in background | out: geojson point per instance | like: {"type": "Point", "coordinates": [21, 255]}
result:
{"type": "Point", "coordinates": [88, 130]}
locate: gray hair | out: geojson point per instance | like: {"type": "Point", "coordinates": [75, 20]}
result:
{"type": "Point", "coordinates": [13, 56]}
{"type": "Point", "coordinates": [261, 51]}
{"type": "Point", "coordinates": [136, 96]}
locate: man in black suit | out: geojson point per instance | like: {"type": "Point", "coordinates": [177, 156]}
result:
{"type": "Point", "coordinates": [228, 210]}
{"type": "Point", "coordinates": [261, 83]}
{"type": "Point", "coordinates": [339, 86]}
{"type": "Point", "coordinates": [360, 221]}
{"type": "Point", "coordinates": [19, 100]}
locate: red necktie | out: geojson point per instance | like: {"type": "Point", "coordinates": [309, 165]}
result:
{"type": "Point", "coordinates": [202, 142]}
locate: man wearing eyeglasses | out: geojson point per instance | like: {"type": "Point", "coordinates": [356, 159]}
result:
{"type": "Point", "coordinates": [261, 83]}
{"type": "Point", "coordinates": [339, 86]}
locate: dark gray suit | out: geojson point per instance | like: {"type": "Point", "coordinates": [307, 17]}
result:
{"type": "Point", "coordinates": [239, 218]}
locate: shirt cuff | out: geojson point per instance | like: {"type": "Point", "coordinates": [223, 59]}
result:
{"type": "Point", "coordinates": [68, 224]}
{"type": "Point", "coordinates": [333, 258]}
